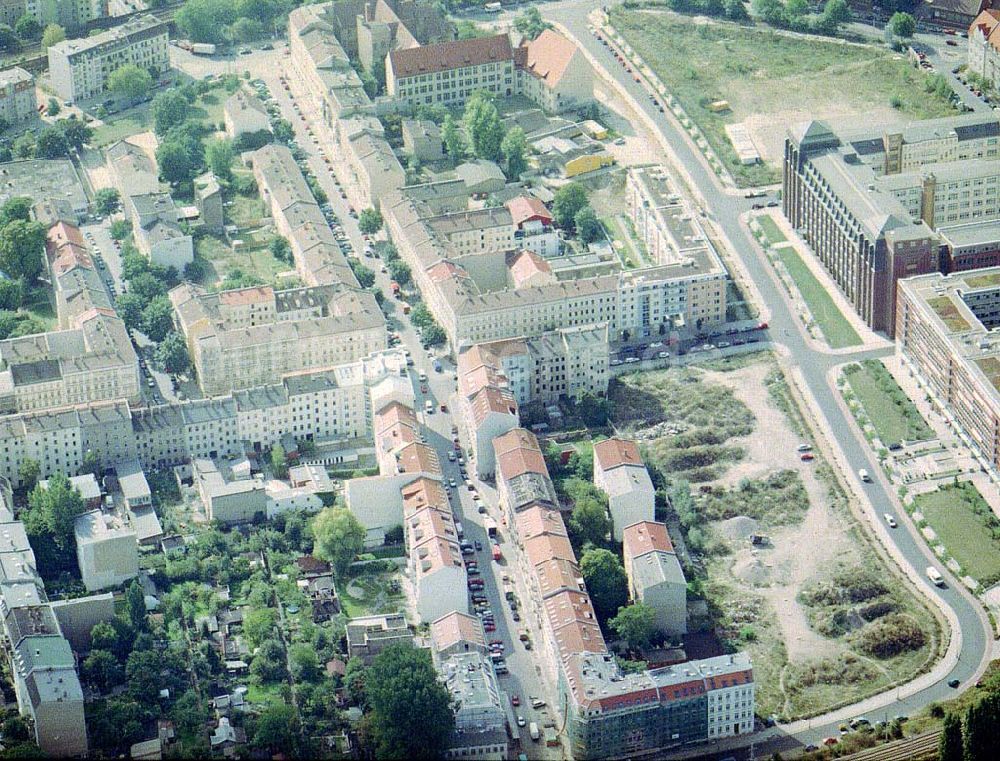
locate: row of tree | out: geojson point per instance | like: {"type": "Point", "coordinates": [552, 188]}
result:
{"type": "Point", "coordinates": [221, 21]}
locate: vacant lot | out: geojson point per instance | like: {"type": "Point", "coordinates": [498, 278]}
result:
{"type": "Point", "coordinates": [815, 640]}
{"type": "Point", "coordinates": [967, 527]}
{"type": "Point", "coordinates": [684, 421]}
{"type": "Point", "coordinates": [772, 80]}
{"type": "Point", "coordinates": [890, 411]}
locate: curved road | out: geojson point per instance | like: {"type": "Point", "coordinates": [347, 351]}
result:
{"type": "Point", "coordinates": [725, 209]}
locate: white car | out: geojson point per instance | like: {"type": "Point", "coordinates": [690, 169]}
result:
{"type": "Point", "coordinates": [890, 521]}
{"type": "Point", "coordinates": [520, 721]}
{"type": "Point", "coordinates": [865, 476]}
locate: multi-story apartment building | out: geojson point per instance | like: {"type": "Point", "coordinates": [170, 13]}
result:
{"type": "Point", "coordinates": [72, 15]}
{"type": "Point", "coordinates": [17, 95]}
{"type": "Point", "coordinates": [620, 473]}
{"type": "Point", "coordinates": [983, 53]}
{"type": "Point", "coordinates": [254, 336]}
{"type": "Point", "coordinates": [655, 577]}
{"type": "Point", "coordinates": [608, 713]}
{"type": "Point", "coordinates": [79, 68]}
{"type": "Point", "coordinates": [533, 230]}
{"type": "Point", "coordinates": [41, 663]}
{"type": "Point", "coordinates": [297, 216]}
{"type": "Point", "coordinates": [488, 408]}
{"type": "Point", "coordinates": [480, 708]}
{"type": "Point", "coordinates": [489, 295]}
{"type": "Point", "coordinates": [869, 202]}
{"type": "Point", "coordinates": [367, 636]}
{"type": "Point", "coordinates": [550, 70]}
{"type": "Point", "coordinates": [449, 72]}
{"type": "Point", "coordinates": [107, 549]}
{"type": "Point", "coordinates": [945, 331]}
{"type": "Point", "coordinates": [326, 406]}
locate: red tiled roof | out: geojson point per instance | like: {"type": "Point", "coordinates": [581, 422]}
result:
{"type": "Point", "coordinates": [525, 208]}
{"type": "Point", "coordinates": [548, 56]}
{"type": "Point", "coordinates": [443, 56]}
{"type": "Point", "coordinates": [611, 453]}
{"type": "Point", "coordinates": [643, 537]}
{"type": "Point", "coordinates": [247, 295]}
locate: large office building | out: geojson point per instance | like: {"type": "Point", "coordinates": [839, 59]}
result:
{"type": "Point", "coordinates": [945, 329]}
{"type": "Point", "coordinates": [79, 69]}
{"type": "Point", "coordinates": [877, 206]}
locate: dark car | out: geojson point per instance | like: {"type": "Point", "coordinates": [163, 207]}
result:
{"type": "Point", "coordinates": [953, 683]}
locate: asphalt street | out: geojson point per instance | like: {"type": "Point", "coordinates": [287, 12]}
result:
{"type": "Point", "coordinates": [725, 209]}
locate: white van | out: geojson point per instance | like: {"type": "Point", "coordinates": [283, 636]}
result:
{"type": "Point", "coordinates": [429, 406]}
{"type": "Point", "coordinates": [533, 731]}
{"type": "Point", "coordinates": [935, 575]}
{"type": "Point", "coordinates": [865, 476]}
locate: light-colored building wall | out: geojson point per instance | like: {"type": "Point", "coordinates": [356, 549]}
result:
{"type": "Point", "coordinates": [79, 69]}
{"type": "Point", "coordinates": [17, 95]}
{"type": "Point", "coordinates": [107, 550]}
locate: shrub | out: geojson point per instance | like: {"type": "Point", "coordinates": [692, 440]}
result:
{"type": "Point", "coordinates": [891, 635]}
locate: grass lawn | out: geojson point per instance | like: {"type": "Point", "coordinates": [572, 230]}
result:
{"type": "Point", "coordinates": [894, 416]}
{"type": "Point", "coordinates": [253, 259]}
{"type": "Point", "coordinates": [264, 694]}
{"type": "Point", "coordinates": [38, 304]}
{"type": "Point", "coordinates": [773, 77]}
{"type": "Point", "coordinates": [770, 229]}
{"type": "Point", "coordinates": [837, 331]}
{"type": "Point", "coordinates": [120, 126]}
{"type": "Point", "coordinates": [967, 527]}
{"type": "Point", "coordinates": [245, 212]}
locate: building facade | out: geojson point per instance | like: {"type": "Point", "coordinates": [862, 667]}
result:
{"type": "Point", "coordinates": [79, 68]}
{"type": "Point", "coordinates": [18, 101]}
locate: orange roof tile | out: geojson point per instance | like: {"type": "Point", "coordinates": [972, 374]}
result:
{"type": "Point", "coordinates": [526, 208]}
{"type": "Point", "coordinates": [492, 399]}
{"type": "Point", "coordinates": [418, 458]}
{"type": "Point", "coordinates": [546, 547]}
{"type": "Point", "coordinates": [548, 56]}
{"type": "Point", "coordinates": [243, 296]}
{"type": "Point", "coordinates": [538, 520]}
{"type": "Point", "coordinates": [558, 574]}
{"type": "Point", "coordinates": [422, 493]}
{"type": "Point", "coordinates": [520, 461]}
{"type": "Point", "coordinates": [611, 453]}
{"type": "Point", "coordinates": [455, 627]}
{"type": "Point", "coordinates": [643, 537]}
{"type": "Point", "coordinates": [444, 56]}
{"type": "Point", "coordinates": [526, 265]}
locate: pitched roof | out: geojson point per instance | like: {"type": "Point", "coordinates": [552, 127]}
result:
{"type": "Point", "coordinates": [525, 208]}
{"type": "Point", "coordinates": [611, 453]}
{"type": "Point", "coordinates": [548, 56]}
{"type": "Point", "coordinates": [645, 536]}
{"type": "Point", "coordinates": [443, 56]}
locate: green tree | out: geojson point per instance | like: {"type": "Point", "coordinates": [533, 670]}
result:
{"type": "Point", "coordinates": [568, 200]}
{"type": "Point", "coordinates": [486, 131]}
{"type": "Point", "coordinates": [158, 318]}
{"type": "Point", "coordinates": [129, 308]}
{"type": "Point", "coordinates": [29, 472]}
{"type": "Point", "coordinates": [135, 606]}
{"type": "Point", "coordinates": [102, 670]}
{"type": "Point", "coordinates": [279, 461]}
{"type": "Point", "coordinates": [636, 624]}
{"type": "Point", "coordinates": [172, 354]}
{"type": "Point", "coordinates": [52, 107]}
{"type": "Point", "coordinates": [169, 109]}
{"type": "Point", "coordinates": [303, 662]}
{"type": "Point", "coordinates": [51, 143]}
{"type": "Point", "coordinates": [770, 11]}
{"type": "Point", "coordinates": [53, 33]}
{"type": "Point", "coordinates": [411, 715]}
{"type": "Point", "coordinates": [258, 626]}
{"type": "Point", "coordinates": [189, 714]}
{"type": "Point", "coordinates": [18, 207]}
{"type": "Point", "coordinates": [246, 30]}
{"type": "Point", "coordinates": [146, 286]}
{"type": "Point", "coordinates": [24, 146]}
{"type": "Point", "coordinates": [143, 670]}
{"type": "Point", "coordinates": [902, 25]}
{"type": "Point", "coordinates": [454, 141]}
{"type": "Point", "coordinates": [280, 250]}
{"type": "Point", "coordinates": [589, 522]}
{"type": "Point", "coordinates": [277, 729]}
{"type": "Point", "coordinates": [530, 23]}
{"type": "Point", "coordinates": [120, 229]}
{"type": "Point", "coordinates": [8, 40]}
{"type": "Point", "coordinates": [21, 246]}
{"type": "Point", "coordinates": [796, 8]}
{"type": "Point", "coordinates": [514, 148]}
{"type": "Point", "coordinates": [606, 581]}
{"type": "Point", "coordinates": [370, 221]}
{"type": "Point", "coordinates": [27, 28]}
{"type": "Point", "coordinates": [268, 664]}
{"type": "Point", "coordinates": [11, 294]}
{"type": "Point", "coordinates": [978, 738]}
{"type": "Point", "coordinates": [91, 464]}
{"type": "Point", "coordinates": [219, 154]}
{"type": "Point", "coordinates": [106, 201]}
{"type": "Point", "coordinates": [950, 743]}
{"type": "Point", "coordinates": [77, 133]}
{"type": "Point", "coordinates": [365, 276]}
{"type": "Point", "coordinates": [338, 538]}
{"type": "Point", "coordinates": [735, 10]}
{"type": "Point", "coordinates": [52, 512]}
{"type": "Point", "coordinates": [205, 20]}
{"type": "Point", "coordinates": [175, 163]}
{"type": "Point", "coordinates": [130, 83]}
{"type": "Point", "coordinates": [588, 226]}
{"type": "Point", "coordinates": [400, 272]}
{"type": "Point", "coordinates": [434, 335]}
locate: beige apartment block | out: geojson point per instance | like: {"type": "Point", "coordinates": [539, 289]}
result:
{"type": "Point", "coordinates": [18, 102]}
